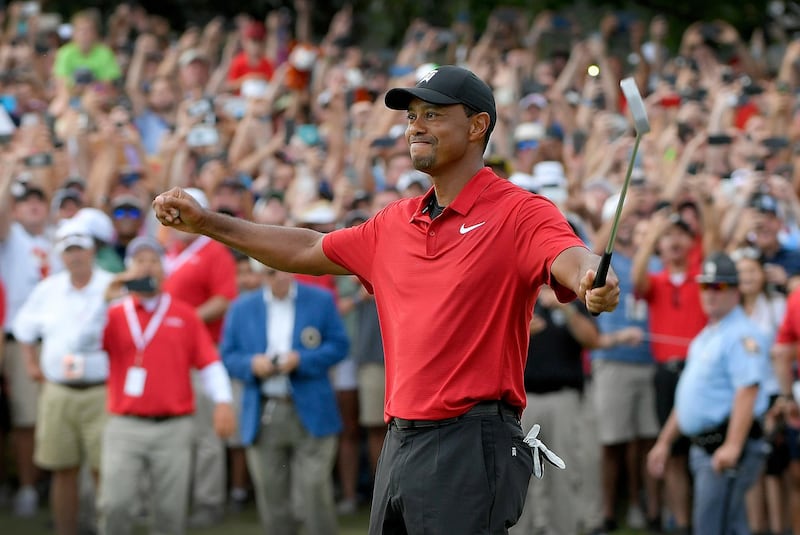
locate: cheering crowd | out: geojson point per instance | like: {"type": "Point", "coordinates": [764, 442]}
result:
{"type": "Point", "coordinates": [144, 368]}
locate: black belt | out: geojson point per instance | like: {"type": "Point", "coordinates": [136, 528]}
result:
{"type": "Point", "coordinates": [82, 386]}
{"type": "Point", "coordinates": [672, 365]}
{"type": "Point", "coordinates": [713, 439]}
{"type": "Point", "coordinates": [484, 408]}
{"type": "Point", "coordinates": [157, 418]}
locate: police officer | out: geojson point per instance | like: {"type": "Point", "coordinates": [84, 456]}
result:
{"type": "Point", "coordinates": [718, 402]}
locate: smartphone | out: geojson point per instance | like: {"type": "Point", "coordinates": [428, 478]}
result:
{"type": "Point", "coordinates": [141, 285]}
{"type": "Point", "coordinates": [719, 139]}
{"type": "Point", "coordinates": [308, 134]}
{"type": "Point", "coordinates": [289, 125]}
{"type": "Point", "coordinates": [776, 143]}
{"type": "Point", "coordinates": [41, 159]}
{"type": "Point", "coordinates": [30, 9]}
{"type": "Point", "coordinates": [202, 136]}
{"type": "Point", "coordinates": [82, 76]}
{"type": "Point", "coordinates": [200, 107]}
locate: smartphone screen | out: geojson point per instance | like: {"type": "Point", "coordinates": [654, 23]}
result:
{"type": "Point", "coordinates": [141, 285]}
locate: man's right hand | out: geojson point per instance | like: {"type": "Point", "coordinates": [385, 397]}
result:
{"type": "Point", "coordinates": [657, 459]}
{"type": "Point", "coordinates": [177, 209]}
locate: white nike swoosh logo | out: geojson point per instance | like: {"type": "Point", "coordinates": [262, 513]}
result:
{"type": "Point", "coordinates": [464, 230]}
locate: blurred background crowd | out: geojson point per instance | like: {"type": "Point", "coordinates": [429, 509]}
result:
{"type": "Point", "coordinates": [272, 120]}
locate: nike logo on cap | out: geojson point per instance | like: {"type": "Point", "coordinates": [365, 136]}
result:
{"type": "Point", "coordinates": [464, 230]}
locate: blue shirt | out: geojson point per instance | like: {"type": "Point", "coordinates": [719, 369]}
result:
{"type": "Point", "coordinates": [152, 129]}
{"type": "Point", "coordinates": [726, 356]}
{"type": "Point", "coordinates": [631, 312]}
{"type": "Point", "coordinates": [788, 259]}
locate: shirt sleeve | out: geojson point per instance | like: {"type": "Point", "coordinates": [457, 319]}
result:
{"type": "Point", "coordinates": [223, 278]}
{"type": "Point", "coordinates": [354, 249]}
{"type": "Point", "coordinates": [746, 357]}
{"type": "Point", "coordinates": [204, 352]}
{"type": "Point", "coordinates": [543, 233]}
{"type": "Point", "coordinates": [28, 322]}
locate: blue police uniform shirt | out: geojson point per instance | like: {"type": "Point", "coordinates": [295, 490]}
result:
{"type": "Point", "coordinates": [723, 358]}
{"type": "Point", "coordinates": [788, 259]}
{"type": "Point", "coordinates": [632, 312]}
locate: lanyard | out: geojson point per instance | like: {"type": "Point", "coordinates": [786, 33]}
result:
{"type": "Point", "coordinates": [174, 264]}
{"type": "Point", "coordinates": [142, 339]}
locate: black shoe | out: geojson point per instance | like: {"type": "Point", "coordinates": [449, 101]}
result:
{"type": "Point", "coordinates": [654, 526]}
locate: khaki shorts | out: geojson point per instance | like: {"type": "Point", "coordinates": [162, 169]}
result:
{"type": "Point", "coordinates": [23, 391]}
{"type": "Point", "coordinates": [625, 401]}
{"type": "Point", "coordinates": [371, 394]}
{"type": "Point", "coordinates": [70, 426]}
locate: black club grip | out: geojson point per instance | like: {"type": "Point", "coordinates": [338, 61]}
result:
{"type": "Point", "coordinates": [602, 271]}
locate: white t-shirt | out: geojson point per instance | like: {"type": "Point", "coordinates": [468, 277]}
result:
{"type": "Point", "coordinates": [24, 261]}
{"type": "Point", "coordinates": [57, 312]}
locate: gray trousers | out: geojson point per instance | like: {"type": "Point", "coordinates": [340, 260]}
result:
{"type": "Point", "coordinates": [553, 505]}
{"type": "Point", "coordinates": [292, 474]}
{"type": "Point", "coordinates": [208, 468]}
{"type": "Point", "coordinates": [133, 447]}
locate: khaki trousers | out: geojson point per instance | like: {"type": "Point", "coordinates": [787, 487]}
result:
{"type": "Point", "coordinates": [133, 447]}
{"type": "Point", "coordinates": [292, 474]}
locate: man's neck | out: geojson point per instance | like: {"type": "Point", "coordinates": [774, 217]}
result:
{"type": "Point", "coordinates": [80, 280]}
{"type": "Point", "coordinates": [34, 229]}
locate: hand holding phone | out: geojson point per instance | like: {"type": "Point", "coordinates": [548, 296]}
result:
{"type": "Point", "coordinates": [145, 285]}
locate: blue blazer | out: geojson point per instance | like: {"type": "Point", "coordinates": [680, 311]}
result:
{"type": "Point", "coordinates": [320, 339]}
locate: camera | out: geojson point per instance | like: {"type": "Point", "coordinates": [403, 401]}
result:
{"type": "Point", "coordinates": [202, 136]}
{"type": "Point", "coordinates": [141, 285]}
{"type": "Point", "coordinates": [199, 108]}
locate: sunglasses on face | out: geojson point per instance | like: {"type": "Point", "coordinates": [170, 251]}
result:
{"type": "Point", "coordinates": [127, 211]}
{"type": "Point", "coordinates": [715, 286]}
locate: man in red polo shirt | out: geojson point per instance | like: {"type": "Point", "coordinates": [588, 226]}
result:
{"type": "Point", "coordinates": [202, 274]}
{"type": "Point", "coordinates": [675, 316]}
{"type": "Point", "coordinates": [153, 342]}
{"type": "Point", "coordinates": [455, 275]}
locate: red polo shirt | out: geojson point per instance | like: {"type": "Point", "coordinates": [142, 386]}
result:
{"type": "Point", "coordinates": [209, 272]}
{"type": "Point", "coordinates": [675, 315]}
{"type": "Point", "coordinates": [180, 344]}
{"type": "Point", "coordinates": [789, 331]}
{"type": "Point", "coordinates": [455, 295]}
{"type": "Point", "coordinates": [241, 67]}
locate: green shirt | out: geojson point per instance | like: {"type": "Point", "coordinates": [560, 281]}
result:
{"type": "Point", "coordinates": [100, 61]}
{"type": "Point", "coordinates": [108, 259]}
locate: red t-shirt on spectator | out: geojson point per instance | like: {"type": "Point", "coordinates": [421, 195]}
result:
{"type": "Point", "coordinates": [675, 315]}
{"type": "Point", "coordinates": [208, 270]}
{"type": "Point", "coordinates": [180, 344]}
{"type": "Point", "coordinates": [789, 331]}
{"type": "Point", "coordinates": [241, 67]}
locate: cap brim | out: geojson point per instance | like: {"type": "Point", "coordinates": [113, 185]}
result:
{"type": "Point", "coordinates": [714, 280]}
{"type": "Point", "coordinates": [399, 98]}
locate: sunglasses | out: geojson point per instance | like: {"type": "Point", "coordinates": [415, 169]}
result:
{"type": "Point", "coordinates": [127, 211]}
{"type": "Point", "coordinates": [715, 286]}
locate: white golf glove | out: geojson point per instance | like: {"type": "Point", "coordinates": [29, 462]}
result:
{"type": "Point", "coordinates": [541, 451]}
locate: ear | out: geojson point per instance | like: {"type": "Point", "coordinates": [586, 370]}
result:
{"type": "Point", "coordinates": [479, 124]}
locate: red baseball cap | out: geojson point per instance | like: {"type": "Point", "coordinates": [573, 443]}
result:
{"type": "Point", "coordinates": [255, 30]}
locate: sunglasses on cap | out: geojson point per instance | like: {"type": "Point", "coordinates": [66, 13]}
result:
{"type": "Point", "coordinates": [127, 211]}
{"type": "Point", "coordinates": [716, 286]}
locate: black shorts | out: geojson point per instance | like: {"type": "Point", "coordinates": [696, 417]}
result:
{"type": "Point", "coordinates": [469, 477]}
{"type": "Point", "coordinates": [666, 381]}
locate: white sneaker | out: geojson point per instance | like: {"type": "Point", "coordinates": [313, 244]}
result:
{"type": "Point", "coordinates": [26, 502]}
{"type": "Point", "coordinates": [347, 507]}
{"type": "Point", "coordinates": [636, 518]}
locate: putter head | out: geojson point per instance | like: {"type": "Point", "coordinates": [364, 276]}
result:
{"type": "Point", "coordinates": [635, 105]}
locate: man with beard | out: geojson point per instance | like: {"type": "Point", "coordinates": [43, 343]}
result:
{"type": "Point", "coordinates": [455, 275]}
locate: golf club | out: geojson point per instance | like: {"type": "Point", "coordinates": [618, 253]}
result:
{"type": "Point", "coordinates": [642, 126]}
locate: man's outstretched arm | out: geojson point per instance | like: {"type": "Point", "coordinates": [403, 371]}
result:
{"type": "Point", "coordinates": [289, 249]}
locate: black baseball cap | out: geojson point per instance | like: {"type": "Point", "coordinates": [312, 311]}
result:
{"type": "Point", "coordinates": [447, 85]}
{"type": "Point", "coordinates": [719, 268]}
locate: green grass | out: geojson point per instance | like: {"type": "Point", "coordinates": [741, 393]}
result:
{"type": "Point", "coordinates": [243, 523]}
